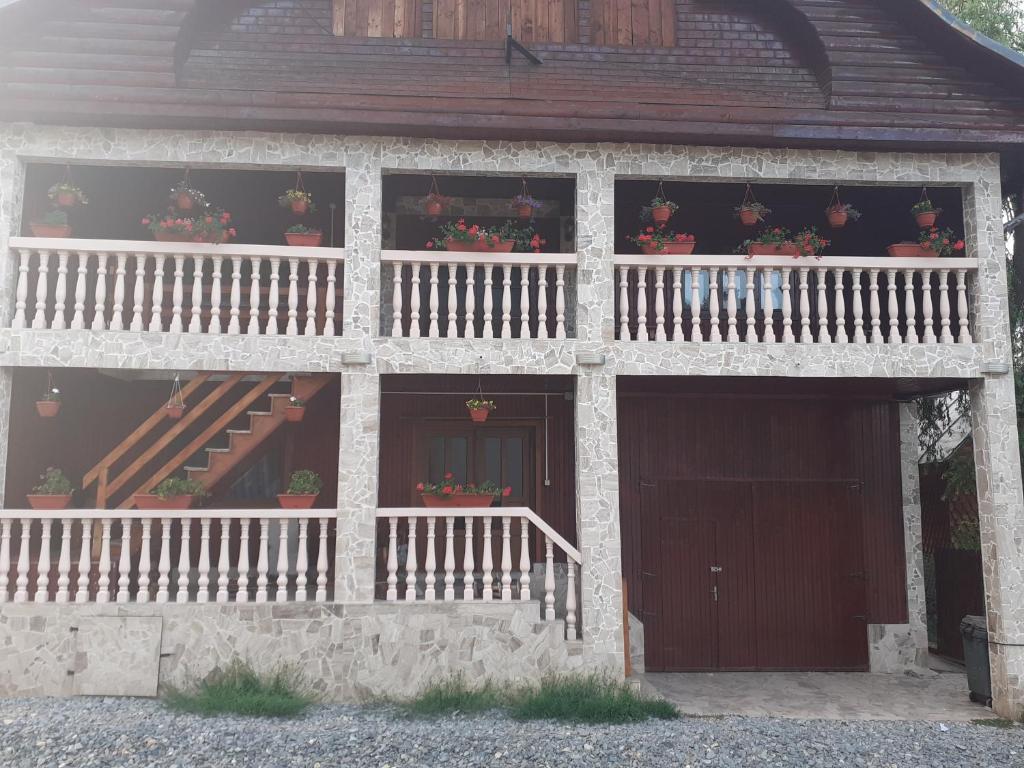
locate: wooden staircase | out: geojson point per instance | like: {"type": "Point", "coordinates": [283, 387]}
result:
{"type": "Point", "coordinates": [221, 461]}
{"type": "Point", "coordinates": [262, 424]}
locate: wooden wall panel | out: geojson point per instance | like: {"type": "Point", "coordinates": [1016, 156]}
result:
{"type": "Point", "coordinates": [378, 18]}
{"type": "Point", "coordinates": [533, 21]}
{"type": "Point", "coordinates": [637, 23]}
{"type": "Point", "coordinates": [702, 437]}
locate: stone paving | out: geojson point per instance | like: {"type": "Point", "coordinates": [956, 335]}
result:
{"type": "Point", "coordinates": [819, 695]}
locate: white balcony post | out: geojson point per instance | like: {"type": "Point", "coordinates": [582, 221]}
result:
{"type": "Point", "coordinates": [142, 593]}
{"type": "Point", "coordinates": [78, 318]}
{"type": "Point", "coordinates": [823, 335]}
{"type": "Point", "coordinates": [858, 309]}
{"type": "Point", "coordinates": [103, 583]}
{"type": "Point", "coordinates": [138, 292]}
{"type": "Point", "coordinates": [253, 326]}
{"type": "Point", "coordinates": [768, 304]}
{"type": "Point", "coordinates": [5, 557]}
{"type": "Point", "coordinates": [487, 561]}
{"type": "Point", "coordinates": [452, 329]}
{"type": "Point", "coordinates": [281, 571]}
{"type": "Point", "coordinates": [274, 298]}
{"type": "Point", "coordinates": [235, 297]}
{"type": "Point", "coordinates": [156, 323]}
{"type": "Point", "coordinates": [542, 301]}
{"type": "Point", "coordinates": [414, 300]}
{"type": "Point", "coordinates": [468, 576]}
{"type": "Point", "coordinates": [893, 308]}
{"type": "Point", "coordinates": [469, 329]}
{"type": "Point", "coordinates": [242, 569]}
{"type": "Point", "coordinates": [730, 304]}
{"type": "Point", "coordinates": [215, 294]}
{"type": "Point", "coordinates": [659, 304]}
{"type": "Point", "coordinates": [839, 276]}
{"type": "Point", "coordinates": [430, 563]}
{"type": "Point", "coordinates": [63, 565]}
{"type": "Point", "coordinates": [488, 301]}
{"type": "Point", "coordinates": [677, 305]}
{"type": "Point", "coordinates": [910, 305]}
{"type": "Point", "coordinates": [524, 302]}
{"type": "Point", "coordinates": [549, 580]}
{"type": "Point", "coordinates": [524, 559]}
{"type": "Point", "coordinates": [100, 309]}
{"type": "Point", "coordinates": [203, 568]}
{"type": "Point", "coordinates": [84, 563]}
{"type": "Point", "coordinates": [506, 559]}
{"type": "Point", "coordinates": [21, 290]}
{"type": "Point", "coordinates": [714, 306]}
{"type": "Point", "coordinates": [396, 300]}
{"type": "Point", "coordinates": [177, 293]}
{"type": "Point", "coordinates": [946, 336]}
{"type": "Point", "coordinates": [60, 292]}
{"type": "Point", "coordinates": [124, 563]}
{"type": "Point", "coordinates": [962, 308]}
{"type": "Point", "coordinates": [560, 301]}
{"type": "Point", "coordinates": [21, 582]}
{"type": "Point", "coordinates": [432, 329]}
{"type": "Point", "coordinates": [506, 302]}
{"type": "Point", "coordinates": [163, 579]}
{"type": "Point", "coordinates": [392, 566]}
{"type": "Point", "coordinates": [410, 561]}
{"type": "Point", "coordinates": [42, 287]}
{"type": "Point", "coordinates": [223, 559]}
{"type": "Point", "coordinates": [805, 307]}
{"type": "Point", "coordinates": [641, 304]}
{"type": "Point", "coordinates": [184, 562]}
{"type": "Point", "coordinates": [321, 562]}
{"type": "Point", "coordinates": [927, 308]}
{"type": "Point", "coordinates": [43, 565]}
{"type": "Point", "coordinates": [330, 298]}
{"type": "Point", "coordinates": [449, 559]}
{"type": "Point", "coordinates": [117, 317]}
{"type": "Point", "coordinates": [571, 632]}
{"type": "Point", "coordinates": [624, 304]}
{"type": "Point", "coordinates": [302, 563]}
{"type": "Point", "coordinates": [311, 306]}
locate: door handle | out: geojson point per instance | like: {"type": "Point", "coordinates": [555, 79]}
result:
{"type": "Point", "coordinates": [714, 592]}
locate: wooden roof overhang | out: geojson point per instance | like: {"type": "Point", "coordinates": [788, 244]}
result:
{"type": "Point", "coordinates": [864, 74]}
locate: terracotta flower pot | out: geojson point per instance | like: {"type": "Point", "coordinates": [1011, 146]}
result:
{"type": "Point", "coordinates": [174, 412]}
{"type": "Point", "coordinates": [673, 249]}
{"type": "Point", "coordinates": [294, 413]}
{"type": "Point", "coordinates": [749, 217]}
{"type": "Point", "coordinates": [786, 249]}
{"type": "Point", "coordinates": [304, 239]}
{"type": "Point", "coordinates": [838, 219]}
{"type": "Point", "coordinates": [48, 408]}
{"type": "Point", "coordinates": [461, 246]}
{"type": "Point", "coordinates": [661, 214]}
{"type": "Point", "coordinates": [48, 500]}
{"type": "Point", "coordinates": [296, 500]}
{"type": "Point", "coordinates": [152, 501]}
{"type": "Point", "coordinates": [463, 500]}
{"type": "Point", "coordinates": [479, 415]}
{"type": "Point", "coordinates": [433, 208]}
{"type": "Point", "coordinates": [299, 207]}
{"type": "Point", "coordinates": [926, 220]}
{"type": "Point", "coordinates": [47, 230]}
{"type": "Point", "coordinates": [66, 199]}
{"type": "Point", "coordinates": [183, 201]}
{"type": "Point", "coordinates": [524, 212]}
{"type": "Point", "coordinates": [165, 236]}
{"type": "Point", "coordinates": [911, 251]}
{"type": "Point", "coordinates": [502, 246]}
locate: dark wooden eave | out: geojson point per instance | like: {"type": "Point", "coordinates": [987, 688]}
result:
{"type": "Point", "coordinates": [865, 74]}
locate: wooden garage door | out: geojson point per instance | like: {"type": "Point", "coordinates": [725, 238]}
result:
{"type": "Point", "coordinates": [752, 575]}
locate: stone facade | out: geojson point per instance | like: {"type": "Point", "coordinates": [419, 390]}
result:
{"type": "Point", "coordinates": [595, 167]}
{"type": "Point", "coordinates": [347, 652]}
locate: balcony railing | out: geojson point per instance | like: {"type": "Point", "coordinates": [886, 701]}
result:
{"type": "Point", "coordinates": [181, 556]}
{"type": "Point", "coordinates": [177, 287]}
{"type": "Point", "coordinates": [478, 295]}
{"type": "Point", "coordinates": [832, 300]}
{"type": "Point", "coordinates": [487, 569]}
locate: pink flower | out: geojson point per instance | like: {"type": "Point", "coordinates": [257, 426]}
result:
{"type": "Point", "coordinates": [959, 245]}
{"type": "Point", "coordinates": [507, 491]}
{"type": "Point", "coordinates": [145, 222]}
{"type": "Point", "coordinates": [447, 490]}
{"type": "Point", "coordinates": [448, 475]}
{"type": "Point", "coordinates": [419, 487]}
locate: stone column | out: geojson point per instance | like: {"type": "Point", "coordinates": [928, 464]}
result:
{"type": "Point", "coordinates": [996, 449]}
{"type": "Point", "coordinates": [357, 486]}
{"type": "Point", "coordinates": [597, 457]}
{"type": "Point", "coordinates": [597, 520]}
{"type": "Point", "coordinates": [12, 185]}
{"type": "Point", "coordinates": [900, 648]}
{"type": "Point", "coordinates": [360, 385]}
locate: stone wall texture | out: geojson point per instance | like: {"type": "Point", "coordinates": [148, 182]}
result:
{"type": "Point", "coordinates": [347, 652]}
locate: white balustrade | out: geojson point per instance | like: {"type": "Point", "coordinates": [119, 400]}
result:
{"type": "Point", "coordinates": [767, 300]}
{"type": "Point", "coordinates": [57, 559]}
{"type": "Point", "coordinates": [175, 287]}
{"type": "Point", "coordinates": [470, 536]}
{"type": "Point", "coordinates": [478, 280]}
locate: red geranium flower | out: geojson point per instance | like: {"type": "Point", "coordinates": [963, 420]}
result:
{"type": "Point", "coordinates": [446, 490]}
{"type": "Point", "coordinates": [959, 245]}
{"type": "Point", "coordinates": [650, 229]}
{"type": "Point", "coordinates": [507, 491]}
{"type": "Point", "coordinates": [448, 475]}
{"type": "Point", "coordinates": [419, 486]}
{"type": "Point", "coordinates": [145, 222]}
{"type": "Point", "coordinates": [430, 243]}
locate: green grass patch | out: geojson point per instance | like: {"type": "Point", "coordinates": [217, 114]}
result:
{"type": "Point", "coordinates": [241, 690]}
{"type": "Point", "coordinates": [589, 699]}
{"type": "Point", "coordinates": [995, 722]}
{"type": "Point", "coordinates": [454, 695]}
{"type": "Point", "coordinates": [568, 698]}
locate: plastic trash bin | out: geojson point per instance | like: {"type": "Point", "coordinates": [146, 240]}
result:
{"type": "Point", "coordinates": [974, 632]}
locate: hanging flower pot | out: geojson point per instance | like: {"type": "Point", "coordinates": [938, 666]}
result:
{"type": "Point", "coordinates": [295, 409]}
{"type": "Point", "coordinates": [297, 200]}
{"type": "Point", "coordinates": [67, 195]}
{"type": "Point", "coordinates": [49, 405]}
{"type": "Point", "coordinates": [434, 202]}
{"type": "Point", "coordinates": [525, 204]}
{"type": "Point", "coordinates": [184, 197]}
{"type": "Point", "coordinates": [184, 201]}
{"type": "Point", "coordinates": [174, 411]}
{"type": "Point", "coordinates": [924, 212]}
{"type": "Point", "coordinates": [175, 407]}
{"type": "Point", "coordinates": [479, 410]}
{"type": "Point", "coordinates": [750, 211]}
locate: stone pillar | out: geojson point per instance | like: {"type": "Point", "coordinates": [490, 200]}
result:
{"type": "Point", "coordinates": [597, 457]}
{"type": "Point", "coordinates": [597, 520]}
{"type": "Point", "coordinates": [357, 486]}
{"type": "Point", "coordinates": [12, 186]}
{"type": "Point", "coordinates": [996, 449]}
{"type": "Point", "coordinates": [1001, 514]}
{"type": "Point", "coordinates": [360, 385]}
{"type": "Point", "coordinates": [900, 648]}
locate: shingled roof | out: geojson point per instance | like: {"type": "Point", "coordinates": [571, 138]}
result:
{"type": "Point", "coordinates": [856, 73]}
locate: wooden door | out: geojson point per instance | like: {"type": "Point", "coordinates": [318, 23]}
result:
{"type": "Point", "coordinates": [809, 560]}
{"type": "Point", "coordinates": [698, 579]}
{"type": "Point", "coordinates": [742, 575]}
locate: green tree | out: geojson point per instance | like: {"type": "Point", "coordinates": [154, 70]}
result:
{"type": "Point", "coordinates": [1002, 20]}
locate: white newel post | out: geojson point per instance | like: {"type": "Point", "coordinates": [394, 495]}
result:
{"type": "Point", "coordinates": [994, 426]}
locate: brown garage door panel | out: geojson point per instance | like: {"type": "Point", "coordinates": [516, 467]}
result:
{"type": "Point", "coordinates": [810, 586]}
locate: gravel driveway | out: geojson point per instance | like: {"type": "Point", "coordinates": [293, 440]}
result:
{"type": "Point", "coordinates": [134, 732]}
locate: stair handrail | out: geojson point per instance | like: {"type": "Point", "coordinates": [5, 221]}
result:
{"type": "Point", "coordinates": [521, 512]}
{"type": "Point", "coordinates": [140, 432]}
